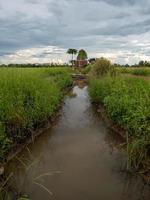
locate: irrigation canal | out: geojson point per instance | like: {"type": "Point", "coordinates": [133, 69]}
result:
{"type": "Point", "coordinates": [77, 159]}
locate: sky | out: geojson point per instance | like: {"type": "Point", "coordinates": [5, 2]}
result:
{"type": "Point", "coordinates": [41, 31]}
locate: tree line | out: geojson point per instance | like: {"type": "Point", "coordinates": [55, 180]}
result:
{"type": "Point", "coordinates": [140, 64]}
{"type": "Point", "coordinates": [29, 65]}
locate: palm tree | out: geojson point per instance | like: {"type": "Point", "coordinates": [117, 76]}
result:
{"type": "Point", "coordinates": [72, 52]}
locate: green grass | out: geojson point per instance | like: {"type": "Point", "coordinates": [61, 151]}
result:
{"type": "Point", "coordinates": [127, 102]}
{"type": "Point", "coordinates": [135, 71]}
{"type": "Point", "coordinates": [28, 98]}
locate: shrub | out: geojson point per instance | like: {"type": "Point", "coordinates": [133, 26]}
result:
{"type": "Point", "coordinates": [102, 67]}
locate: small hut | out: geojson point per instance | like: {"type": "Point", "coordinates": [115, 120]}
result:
{"type": "Point", "coordinates": [81, 63]}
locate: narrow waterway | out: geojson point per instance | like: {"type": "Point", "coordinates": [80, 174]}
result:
{"type": "Point", "coordinates": [77, 159]}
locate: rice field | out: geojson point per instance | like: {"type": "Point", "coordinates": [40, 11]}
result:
{"type": "Point", "coordinates": [28, 99]}
{"type": "Point", "coordinates": [143, 71]}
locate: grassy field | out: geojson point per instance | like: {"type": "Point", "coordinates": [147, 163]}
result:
{"type": "Point", "coordinates": [28, 98]}
{"type": "Point", "coordinates": [143, 71]}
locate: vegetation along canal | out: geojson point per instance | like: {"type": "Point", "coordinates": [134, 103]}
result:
{"type": "Point", "coordinates": [76, 159]}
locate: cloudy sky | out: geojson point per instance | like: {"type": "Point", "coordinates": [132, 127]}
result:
{"type": "Point", "coordinates": [42, 30]}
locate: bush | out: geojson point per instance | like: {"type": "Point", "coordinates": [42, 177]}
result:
{"type": "Point", "coordinates": [101, 67]}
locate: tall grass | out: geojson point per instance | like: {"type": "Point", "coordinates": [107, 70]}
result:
{"type": "Point", "coordinates": [28, 98]}
{"type": "Point", "coordinates": [127, 102]}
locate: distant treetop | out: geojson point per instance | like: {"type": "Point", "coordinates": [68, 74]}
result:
{"type": "Point", "coordinates": [72, 51]}
{"type": "Point", "coordinates": [82, 55]}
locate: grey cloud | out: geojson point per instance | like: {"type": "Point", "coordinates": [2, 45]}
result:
{"type": "Point", "coordinates": [123, 2]}
{"type": "Point", "coordinates": [32, 1]}
{"type": "Point", "coordinates": [66, 23]}
{"type": "Point", "coordinates": [123, 30]}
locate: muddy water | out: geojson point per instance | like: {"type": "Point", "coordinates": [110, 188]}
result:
{"type": "Point", "coordinates": [77, 159]}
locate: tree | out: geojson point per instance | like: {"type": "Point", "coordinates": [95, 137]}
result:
{"type": "Point", "coordinates": [92, 60]}
{"type": "Point", "coordinates": [82, 55]}
{"type": "Point", "coordinates": [101, 67]}
{"type": "Point", "coordinates": [141, 63]}
{"type": "Point", "coordinates": [127, 65]}
{"type": "Point", "coordinates": [72, 52]}
{"type": "Point", "coordinates": [147, 64]}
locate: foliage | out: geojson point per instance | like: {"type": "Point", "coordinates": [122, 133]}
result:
{"type": "Point", "coordinates": [28, 98]}
{"type": "Point", "coordinates": [82, 55]}
{"type": "Point", "coordinates": [92, 60]}
{"type": "Point", "coordinates": [30, 65]}
{"type": "Point", "coordinates": [140, 64]}
{"type": "Point", "coordinates": [102, 67]}
{"type": "Point", "coordinates": [144, 63]}
{"type": "Point", "coordinates": [72, 52]}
